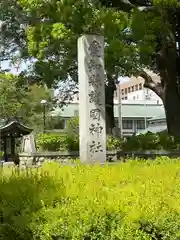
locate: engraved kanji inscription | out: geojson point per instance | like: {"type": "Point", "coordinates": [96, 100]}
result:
{"type": "Point", "coordinates": [95, 49]}
{"type": "Point", "coordinates": [95, 97]}
{"type": "Point", "coordinates": [95, 80]}
{"type": "Point", "coordinates": [95, 147]}
{"type": "Point", "coordinates": [95, 114]}
{"type": "Point", "coordinates": [92, 66]}
{"type": "Point", "coordinates": [95, 129]}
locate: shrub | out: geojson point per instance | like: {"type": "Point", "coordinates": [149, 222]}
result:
{"type": "Point", "coordinates": [51, 142]}
{"type": "Point", "coordinates": [151, 141]}
{"type": "Point", "coordinates": [133, 200]}
{"type": "Point", "coordinates": [57, 142]}
{"type": "Point", "coordinates": [72, 142]}
{"type": "Point", "coordinates": [131, 144]}
{"type": "Point", "coordinates": [72, 131]}
{"type": "Point", "coordinates": [73, 126]}
{"type": "Point", "coordinates": [113, 143]}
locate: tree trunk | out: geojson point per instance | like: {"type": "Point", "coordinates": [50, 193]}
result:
{"type": "Point", "coordinates": [170, 95]}
{"type": "Point", "coordinates": [172, 109]}
{"type": "Point", "coordinates": [109, 101]}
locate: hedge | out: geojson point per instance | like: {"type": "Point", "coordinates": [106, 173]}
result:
{"type": "Point", "coordinates": [134, 200]}
{"type": "Point", "coordinates": [151, 141]}
{"type": "Point", "coordinates": [68, 142]}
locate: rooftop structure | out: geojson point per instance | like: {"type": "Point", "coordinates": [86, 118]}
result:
{"type": "Point", "coordinates": [156, 124]}
{"type": "Point", "coordinates": [135, 115]}
{"type": "Point", "coordinates": [134, 90]}
{"type": "Point", "coordinates": [9, 131]}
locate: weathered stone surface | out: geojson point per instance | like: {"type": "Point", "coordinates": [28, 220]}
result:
{"type": "Point", "coordinates": [28, 144]}
{"type": "Point", "coordinates": [91, 98]}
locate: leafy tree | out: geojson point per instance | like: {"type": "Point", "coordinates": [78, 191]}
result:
{"type": "Point", "coordinates": [156, 32]}
{"type": "Point", "coordinates": [53, 42]}
{"type": "Point", "coordinates": [11, 96]}
{"type": "Point", "coordinates": [20, 101]}
{"type": "Point", "coordinates": [138, 34]}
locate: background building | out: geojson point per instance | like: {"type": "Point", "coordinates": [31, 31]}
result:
{"type": "Point", "coordinates": [136, 105]}
{"type": "Point", "coordinates": [156, 124]}
{"type": "Point", "coordinates": [133, 90]}
{"type": "Point", "coordinates": [135, 116]}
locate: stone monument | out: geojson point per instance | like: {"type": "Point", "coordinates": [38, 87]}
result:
{"type": "Point", "coordinates": [28, 144]}
{"type": "Point", "coordinates": [91, 99]}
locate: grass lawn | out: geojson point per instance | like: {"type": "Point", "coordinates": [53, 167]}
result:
{"type": "Point", "coordinates": [133, 200]}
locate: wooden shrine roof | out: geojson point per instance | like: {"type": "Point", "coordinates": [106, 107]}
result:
{"type": "Point", "coordinates": [14, 127]}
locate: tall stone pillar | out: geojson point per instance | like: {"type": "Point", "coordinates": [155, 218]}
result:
{"type": "Point", "coordinates": [91, 99]}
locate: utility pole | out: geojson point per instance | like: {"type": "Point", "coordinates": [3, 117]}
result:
{"type": "Point", "coordinates": [145, 117]}
{"type": "Point", "coordinates": [44, 102]}
{"type": "Point", "coordinates": [118, 86]}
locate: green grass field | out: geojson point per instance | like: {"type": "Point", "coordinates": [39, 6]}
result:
{"type": "Point", "coordinates": [133, 200]}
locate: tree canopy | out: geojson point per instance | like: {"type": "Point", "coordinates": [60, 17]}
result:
{"type": "Point", "coordinates": [21, 101]}
{"type": "Point", "coordinates": [138, 34]}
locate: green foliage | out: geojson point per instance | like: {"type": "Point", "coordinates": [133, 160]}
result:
{"type": "Point", "coordinates": [70, 139]}
{"type": "Point", "coordinates": [72, 130]}
{"type": "Point", "coordinates": [113, 143]}
{"type": "Point", "coordinates": [134, 200]}
{"type": "Point", "coordinates": [18, 99]}
{"type": "Point", "coordinates": [51, 142]}
{"type": "Point", "coordinates": [73, 126]}
{"type": "Point", "coordinates": [32, 192]}
{"type": "Point", "coordinates": [151, 141]}
{"type": "Point", "coordinates": [72, 142]}
{"type": "Point", "coordinates": [54, 123]}
{"type": "Point", "coordinates": [53, 42]}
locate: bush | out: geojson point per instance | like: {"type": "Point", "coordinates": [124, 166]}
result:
{"type": "Point", "coordinates": [69, 141]}
{"type": "Point", "coordinates": [72, 131]}
{"type": "Point", "coordinates": [151, 141]}
{"type": "Point", "coordinates": [134, 200]}
{"type": "Point", "coordinates": [113, 143]}
{"type": "Point", "coordinates": [51, 142]}
{"type": "Point", "coordinates": [72, 142]}
{"type": "Point", "coordinates": [57, 142]}
{"type": "Point", "coordinates": [73, 126]}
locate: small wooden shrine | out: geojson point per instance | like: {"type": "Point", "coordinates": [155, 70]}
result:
{"type": "Point", "coordinates": [9, 132]}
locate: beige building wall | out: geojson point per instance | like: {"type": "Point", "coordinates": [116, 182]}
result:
{"type": "Point", "coordinates": [134, 84]}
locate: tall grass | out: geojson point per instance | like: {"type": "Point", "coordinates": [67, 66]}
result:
{"type": "Point", "coordinates": [133, 200]}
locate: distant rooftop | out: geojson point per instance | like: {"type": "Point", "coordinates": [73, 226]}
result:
{"type": "Point", "coordinates": [128, 110]}
{"type": "Point", "coordinates": [159, 116]}
{"type": "Point", "coordinates": [154, 129]}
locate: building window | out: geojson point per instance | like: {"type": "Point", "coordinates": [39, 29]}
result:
{"type": "Point", "coordinates": [136, 87]}
{"type": "Point", "coordinates": [140, 86]}
{"type": "Point", "coordinates": [134, 97]}
{"type": "Point", "coordinates": [125, 97]}
{"type": "Point", "coordinates": [122, 91]}
{"type": "Point", "coordinates": [127, 124]}
{"type": "Point", "coordinates": [126, 91]}
{"type": "Point", "coordinates": [132, 88]}
{"type": "Point", "coordinates": [140, 124]}
{"type": "Point", "coordinates": [129, 89]}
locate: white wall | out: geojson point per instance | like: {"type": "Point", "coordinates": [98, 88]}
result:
{"type": "Point", "coordinates": [144, 95]}
{"type": "Point", "coordinates": [136, 97]}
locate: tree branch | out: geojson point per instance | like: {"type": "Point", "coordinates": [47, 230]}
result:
{"type": "Point", "coordinates": [149, 83]}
